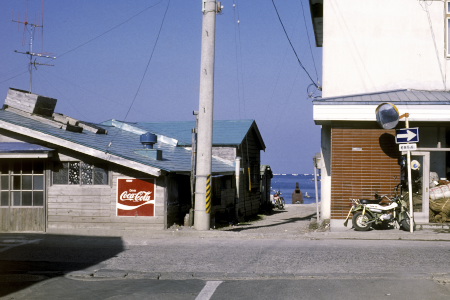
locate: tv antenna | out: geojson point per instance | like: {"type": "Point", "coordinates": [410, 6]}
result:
{"type": "Point", "coordinates": [31, 28]}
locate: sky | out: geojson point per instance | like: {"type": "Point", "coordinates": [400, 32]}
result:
{"type": "Point", "coordinates": [139, 60]}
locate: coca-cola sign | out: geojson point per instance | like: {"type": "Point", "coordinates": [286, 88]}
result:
{"type": "Point", "coordinates": [135, 197]}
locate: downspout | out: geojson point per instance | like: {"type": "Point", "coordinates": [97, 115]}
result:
{"type": "Point", "coordinates": [237, 172]}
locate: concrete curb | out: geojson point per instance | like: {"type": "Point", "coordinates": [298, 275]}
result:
{"type": "Point", "coordinates": [382, 235]}
{"type": "Point", "coordinates": [389, 234]}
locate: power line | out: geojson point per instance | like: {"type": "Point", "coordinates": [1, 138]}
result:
{"type": "Point", "coordinates": [20, 74]}
{"type": "Point", "coordinates": [149, 60]}
{"type": "Point", "coordinates": [239, 60]}
{"type": "Point", "coordinates": [146, 67]}
{"type": "Point", "coordinates": [292, 46]}
{"type": "Point", "coordinates": [309, 41]}
{"type": "Point", "coordinates": [111, 29]}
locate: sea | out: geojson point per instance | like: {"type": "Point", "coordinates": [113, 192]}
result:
{"type": "Point", "coordinates": [286, 184]}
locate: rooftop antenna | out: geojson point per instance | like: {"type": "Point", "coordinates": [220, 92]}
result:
{"type": "Point", "coordinates": [31, 28]}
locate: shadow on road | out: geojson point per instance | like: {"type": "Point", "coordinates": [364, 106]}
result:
{"type": "Point", "coordinates": [273, 223]}
{"type": "Point", "coordinates": [26, 259]}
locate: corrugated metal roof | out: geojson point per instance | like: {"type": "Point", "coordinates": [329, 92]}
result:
{"type": "Point", "coordinates": [399, 97]}
{"type": "Point", "coordinates": [225, 132]}
{"type": "Point", "coordinates": [20, 147]}
{"type": "Point", "coordinates": [117, 142]}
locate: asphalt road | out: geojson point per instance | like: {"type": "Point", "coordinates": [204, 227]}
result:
{"type": "Point", "coordinates": [247, 261]}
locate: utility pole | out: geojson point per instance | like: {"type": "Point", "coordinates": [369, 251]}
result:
{"type": "Point", "coordinates": [205, 117]}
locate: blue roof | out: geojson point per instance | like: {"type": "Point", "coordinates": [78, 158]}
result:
{"type": "Point", "coordinates": [20, 147]}
{"type": "Point", "coordinates": [225, 132]}
{"type": "Point", "coordinates": [117, 142]}
{"type": "Point", "coordinates": [405, 96]}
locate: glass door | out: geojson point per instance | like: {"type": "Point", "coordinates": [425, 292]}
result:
{"type": "Point", "coordinates": [420, 179]}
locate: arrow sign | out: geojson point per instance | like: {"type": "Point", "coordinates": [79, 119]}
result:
{"type": "Point", "coordinates": [407, 135]}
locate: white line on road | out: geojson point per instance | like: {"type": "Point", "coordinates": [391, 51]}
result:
{"type": "Point", "coordinates": [208, 290]}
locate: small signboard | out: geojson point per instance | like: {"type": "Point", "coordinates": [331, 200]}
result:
{"type": "Point", "coordinates": [407, 135]}
{"type": "Point", "coordinates": [135, 197]}
{"type": "Point", "coordinates": [407, 147]}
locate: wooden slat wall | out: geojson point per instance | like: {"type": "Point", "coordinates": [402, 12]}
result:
{"type": "Point", "coordinates": [94, 208]}
{"type": "Point", "coordinates": [364, 161]}
{"type": "Point", "coordinates": [22, 219]}
{"type": "Point", "coordinates": [250, 201]}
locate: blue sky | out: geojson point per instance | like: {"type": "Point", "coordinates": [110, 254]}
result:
{"type": "Point", "coordinates": [103, 48]}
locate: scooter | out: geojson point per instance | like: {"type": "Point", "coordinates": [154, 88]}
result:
{"type": "Point", "coordinates": [384, 211]}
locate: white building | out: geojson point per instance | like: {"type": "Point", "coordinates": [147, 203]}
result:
{"type": "Point", "coordinates": [377, 51]}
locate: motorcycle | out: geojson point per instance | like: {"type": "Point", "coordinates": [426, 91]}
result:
{"type": "Point", "coordinates": [278, 201]}
{"type": "Point", "coordinates": [384, 211]}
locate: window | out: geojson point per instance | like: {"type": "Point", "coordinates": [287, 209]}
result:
{"type": "Point", "coordinates": [21, 183]}
{"type": "Point", "coordinates": [80, 173]}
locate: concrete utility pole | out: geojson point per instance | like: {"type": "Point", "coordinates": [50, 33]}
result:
{"type": "Point", "coordinates": [205, 118]}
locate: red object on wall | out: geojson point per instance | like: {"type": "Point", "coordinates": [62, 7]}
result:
{"type": "Point", "coordinates": [135, 197]}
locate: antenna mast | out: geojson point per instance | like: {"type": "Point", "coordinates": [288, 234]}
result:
{"type": "Point", "coordinates": [31, 55]}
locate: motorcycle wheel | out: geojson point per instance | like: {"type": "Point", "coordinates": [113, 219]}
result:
{"type": "Point", "coordinates": [360, 221]}
{"type": "Point", "coordinates": [406, 224]}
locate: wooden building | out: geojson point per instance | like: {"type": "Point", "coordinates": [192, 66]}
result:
{"type": "Point", "coordinates": [59, 174]}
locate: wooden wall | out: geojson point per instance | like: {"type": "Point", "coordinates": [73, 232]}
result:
{"type": "Point", "coordinates": [92, 209]}
{"type": "Point", "coordinates": [250, 194]}
{"type": "Point", "coordinates": [364, 161]}
{"type": "Point", "coordinates": [14, 219]}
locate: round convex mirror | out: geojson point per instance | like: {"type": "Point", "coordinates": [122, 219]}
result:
{"type": "Point", "coordinates": [387, 115]}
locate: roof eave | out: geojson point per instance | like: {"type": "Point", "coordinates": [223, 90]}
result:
{"type": "Point", "coordinates": [324, 114]}
{"type": "Point", "coordinates": [114, 158]}
{"type": "Point", "coordinates": [316, 9]}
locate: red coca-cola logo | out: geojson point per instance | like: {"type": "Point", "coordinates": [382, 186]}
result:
{"type": "Point", "coordinates": [136, 197]}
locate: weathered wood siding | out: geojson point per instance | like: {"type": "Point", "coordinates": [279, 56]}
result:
{"type": "Point", "coordinates": [364, 161]}
{"type": "Point", "coordinates": [227, 153]}
{"type": "Point", "coordinates": [13, 219]}
{"type": "Point", "coordinates": [92, 208]}
{"type": "Point", "coordinates": [31, 103]}
{"type": "Point", "coordinates": [224, 197]}
{"type": "Point", "coordinates": [250, 194]}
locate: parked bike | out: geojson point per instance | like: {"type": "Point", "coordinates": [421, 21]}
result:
{"type": "Point", "coordinates": [278, 200]}
{"type": "Point", "coordinates": [384, 211]}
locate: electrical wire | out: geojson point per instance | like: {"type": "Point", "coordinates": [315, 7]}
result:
{"type": "Point", "coordinates": [111, 29]}
{"type": "Point", "coordinates": [239, 68]}
{"type": "Point", "coordinates": [146, 67]}
{"type": "Point", "coordinates": [292, 47]}
{"type": "Point", "coordinates": [149, 60]}
{"type": "Point", "coordinates": [15, 76]}
{"type": "Point", "coordinates": [309, 41]}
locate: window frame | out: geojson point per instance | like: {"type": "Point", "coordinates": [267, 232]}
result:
{"type": "Point", "coordinates": [77, 177]}
{"type": "Point", "coordinates": [22, 181]}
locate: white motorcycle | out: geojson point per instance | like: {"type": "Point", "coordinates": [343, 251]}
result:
{"type": "Point", "coordinates": [383, 211]}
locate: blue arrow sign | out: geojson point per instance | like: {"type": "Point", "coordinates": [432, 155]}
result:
{"type": "Point", "coordinates": [407, 135]}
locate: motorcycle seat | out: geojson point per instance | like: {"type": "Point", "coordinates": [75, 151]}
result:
{"type": "Point", "coordinates": [369, 201]}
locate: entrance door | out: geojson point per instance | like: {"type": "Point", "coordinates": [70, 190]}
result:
{"type": "Point", "coordinates": [420, 177]}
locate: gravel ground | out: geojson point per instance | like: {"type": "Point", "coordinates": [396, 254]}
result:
{"type": "Point", "coordinates": [293, 219]}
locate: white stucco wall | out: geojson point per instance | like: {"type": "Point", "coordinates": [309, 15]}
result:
{"type": "Point", "coordinates": [377, 45]}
